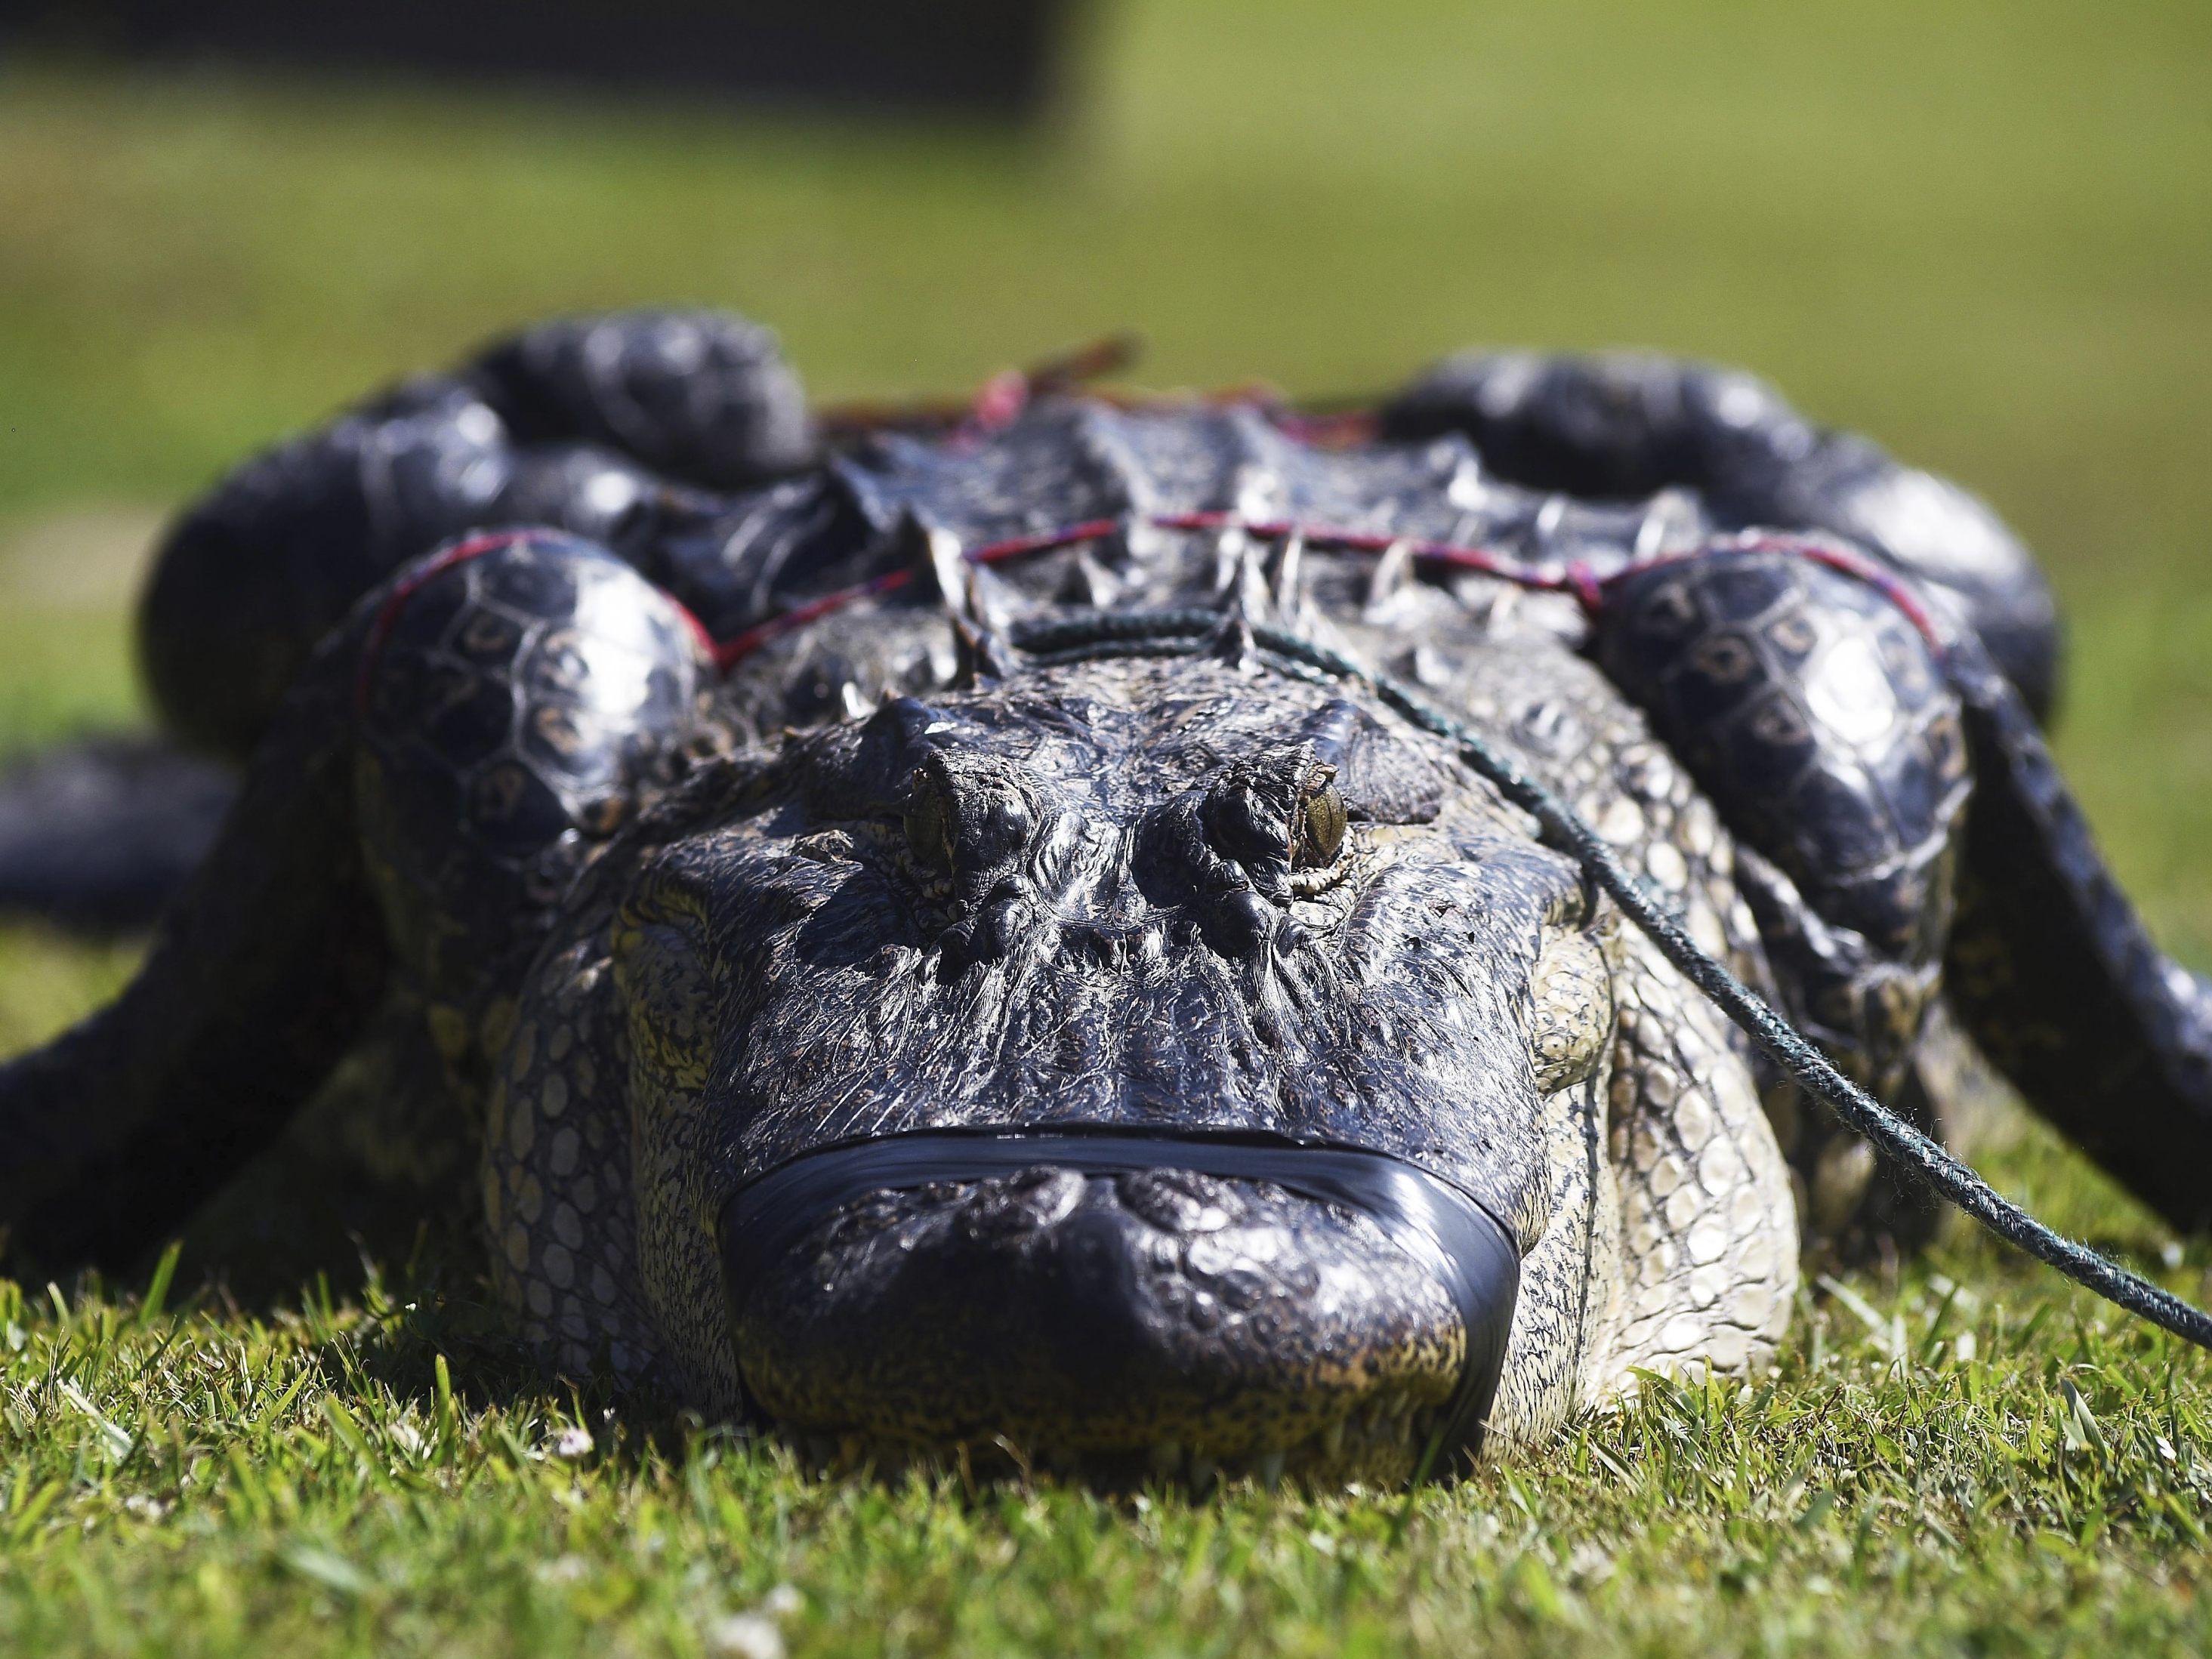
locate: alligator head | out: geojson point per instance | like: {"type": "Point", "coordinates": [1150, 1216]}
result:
{"type": "Point", "coordinates": [1164, 897]}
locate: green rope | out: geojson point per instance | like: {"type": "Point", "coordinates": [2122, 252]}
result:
{"type": "Point", "coordinates": [1919, 1158]}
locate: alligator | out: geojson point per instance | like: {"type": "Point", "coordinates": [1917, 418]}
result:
{"type": "Point", "coordinates": [937, 931]}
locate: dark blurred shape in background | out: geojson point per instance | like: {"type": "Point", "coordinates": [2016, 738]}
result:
{"type": "Point", "coordinates": [994, 58]}
{"type": "Point", "coordinates": [1979, 230]}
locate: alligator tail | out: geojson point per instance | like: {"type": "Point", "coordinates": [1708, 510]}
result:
{"type": "Point", "coordinates": [98, 835]}
{"type": "Point", "coordinates": [261, 975]}
{"type": "Point", "coordinates": [2055, 976]}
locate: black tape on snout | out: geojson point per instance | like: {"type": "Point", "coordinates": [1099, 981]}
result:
{"type": "Point", "coordinates": [1445, 1228]}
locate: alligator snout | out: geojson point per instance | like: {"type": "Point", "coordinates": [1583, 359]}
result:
{"type": "Point", "coordinates": [1146, 1323]}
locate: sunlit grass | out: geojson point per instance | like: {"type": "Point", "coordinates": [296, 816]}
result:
{"type": "Point", "coordinates": [1965, 1463]}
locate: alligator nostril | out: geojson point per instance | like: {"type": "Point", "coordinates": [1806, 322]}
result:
{"type": "Point", "coordinates": [1178, 1202]}
{"type": "Point", "coordinates": [1240, 1289]}
{"type": "Point", "coordinates": [1032, 1201]}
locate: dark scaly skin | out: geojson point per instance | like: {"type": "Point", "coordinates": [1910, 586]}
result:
{"type": "Point", "coordinates": [517, 707]}
{"type": "Point", "coordinates": [263, 565]}
{"type": "Point", "coordinates": [1806, 704]}
{"type": "Point", "coordinates": [1628, 425]}
{"type": "Point", "coordinates": [1805, 700]}
{"type": "Point", "coordinates": [890, 876]}
{"type": "Point", "coordinates": [99, 835]}
{"type": "Point", "coordinates": [264, 973]}
{"type": "Point", "coordinates": [2057, 977]}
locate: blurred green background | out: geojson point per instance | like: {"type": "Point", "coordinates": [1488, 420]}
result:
{"type": "Point", "coordinates": [1982, 233]}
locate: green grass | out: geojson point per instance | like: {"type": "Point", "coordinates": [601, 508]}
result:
{"type": "Point", "coordinates": [205, 1482]}
{"type": "Point", "coordinates": [1982, 232]}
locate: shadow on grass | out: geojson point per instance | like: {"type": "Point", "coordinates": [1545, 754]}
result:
{"type": "Point", "coordinates": [388, 1280]}
{"type": "Point", "coordinates": [361, 1231]}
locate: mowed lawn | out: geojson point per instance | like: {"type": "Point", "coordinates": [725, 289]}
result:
{"type": "Point", "coordinates": [1982, 232]}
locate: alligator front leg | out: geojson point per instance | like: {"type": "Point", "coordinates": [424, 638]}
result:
{"type": "Point", "coordinates": [450, 760]}
{"type": "Point", "coordinates": [1817, 720]}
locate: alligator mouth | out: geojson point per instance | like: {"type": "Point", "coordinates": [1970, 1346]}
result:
{"type": "Point", "coordinates": [1125, 1306]}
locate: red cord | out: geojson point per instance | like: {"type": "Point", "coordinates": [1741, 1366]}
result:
{"type": "Point", "coordinates": [411, 582]}
{"type": "Point", "coordinates": [1576, 577]}
{"type": "Point", "coordinates": [414, 580]}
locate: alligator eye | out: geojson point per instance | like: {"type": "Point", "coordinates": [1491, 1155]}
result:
{"type": "Point", "coordinates": [1317, 829]}
{"type": "Point", "coordinates": [971, 820]}
{"type": "Point", "coordinates": [929, 822]}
